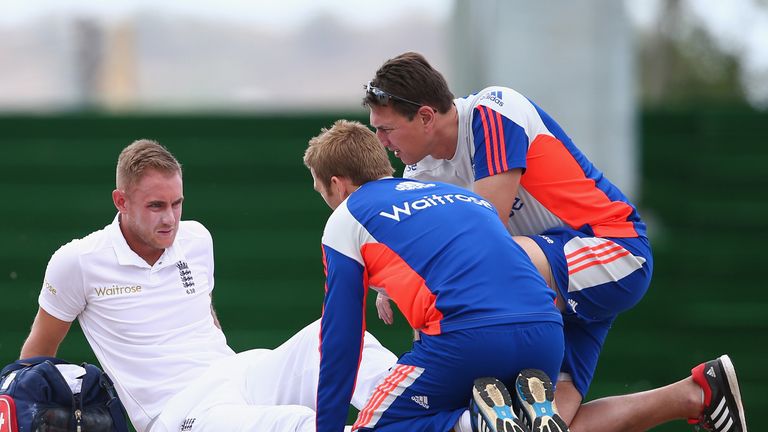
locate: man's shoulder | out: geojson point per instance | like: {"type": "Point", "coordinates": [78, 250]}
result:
{"type": "Point", "coordinates": [193, 239]}
{"type": "Point", "coordinates": [192, 230]}
{"type": "Point", "coordinates": [91, 243]}
{"type": "Point", "coordinates": [497, 98]}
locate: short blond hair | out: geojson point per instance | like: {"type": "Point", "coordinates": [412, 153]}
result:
{"type": "Point", "coordinates": [348, 149]}
{"type": "Point", "coordinates": [140, 156]}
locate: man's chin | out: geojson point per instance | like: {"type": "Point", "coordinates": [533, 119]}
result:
{"type": "Point", "coordinates": [399, 155]}
{"type": "Point", "coordinates": [164, 242]}
{"type": "Point", "coordinates": [405, 159]}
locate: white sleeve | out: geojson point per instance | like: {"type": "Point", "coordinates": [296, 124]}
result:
{"type": "Point", "coordinates": [63, 295]}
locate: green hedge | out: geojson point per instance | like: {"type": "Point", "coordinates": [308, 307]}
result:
{"type": "Point", "coordinates": [704, 183]}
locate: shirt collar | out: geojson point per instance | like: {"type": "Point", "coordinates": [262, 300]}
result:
{"type": "Point", "coordinates": [126, 256]}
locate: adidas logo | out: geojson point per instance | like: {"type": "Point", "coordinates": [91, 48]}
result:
{"type": "Point", "coordinates": [711, 372]}
{"type": "Point", "coordinates": [494, 96]}
{"type": "Point", "coordinates": [721, 415]}
{"type": "Point", "coordinates": [421, 400]}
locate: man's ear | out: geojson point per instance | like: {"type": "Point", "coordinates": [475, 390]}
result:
{"type": "Point", "coordinates": [342, 186]}
{"type": "Point", "coordinates": [118, 197]}
{"type": "Point", "coordinates": [427, 115]}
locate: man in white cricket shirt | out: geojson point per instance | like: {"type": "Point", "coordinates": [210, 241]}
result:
{"type": "Point", "coordinates": [141, 289]}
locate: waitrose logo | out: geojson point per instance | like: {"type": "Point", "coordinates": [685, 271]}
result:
{"type": "Point", "coordinates": [408, 208]}
{"type": "Point", "coordinates": [118, 290]}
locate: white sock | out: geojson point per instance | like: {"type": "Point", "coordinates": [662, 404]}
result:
{"type": "Point", "coordinates": [464, 424]}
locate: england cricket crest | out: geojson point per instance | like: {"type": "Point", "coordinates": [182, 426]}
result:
{"type": "Point", "coordinates": [185, 274]}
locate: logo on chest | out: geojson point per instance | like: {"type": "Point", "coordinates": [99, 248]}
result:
{"type": "Point", "coordinates": [185, 274]}
{"type": "Point", "coordinates": [117, 290]}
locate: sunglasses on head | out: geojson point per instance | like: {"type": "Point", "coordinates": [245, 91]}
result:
{"type": "Point", "coordinates": [382, 97]}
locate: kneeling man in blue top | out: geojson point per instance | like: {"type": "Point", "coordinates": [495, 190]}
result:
{"type": "Point", "coordinates": [440, 252]}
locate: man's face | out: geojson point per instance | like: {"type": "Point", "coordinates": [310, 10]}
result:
{"type": "Point", "coordinates": [407, 139]}
{"type": "Point", "coordinates": [151, 212]}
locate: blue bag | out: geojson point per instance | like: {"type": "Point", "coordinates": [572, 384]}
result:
{"type": "Point", "coordinates": [43, 401]}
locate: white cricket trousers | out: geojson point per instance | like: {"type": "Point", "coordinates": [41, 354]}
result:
{"type": "Point", "coordinates": [266, 390]}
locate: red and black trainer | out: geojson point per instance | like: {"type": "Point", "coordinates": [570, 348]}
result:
{"type": "Point", "coordinates": [723, 410]}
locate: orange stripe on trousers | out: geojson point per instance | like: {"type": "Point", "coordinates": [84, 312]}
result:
{"type": "Point", "coordinates": [382, 391]}
{"type": "Point", "coordinates": [594, 248]}
{"type": "Point", "coordinates": [594, 263]}
{"type": "Point", "coordinates": [595, 255]}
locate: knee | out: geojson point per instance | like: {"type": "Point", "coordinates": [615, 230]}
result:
{"type": "Point", "coordinates": [313, 327]}
{"type": "Point", "coordinates": [568, 400]}
{"type": "Point", "coordinates": [305, 420]}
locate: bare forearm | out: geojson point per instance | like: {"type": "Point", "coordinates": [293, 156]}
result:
{"type": "Point", "coordinates": [45, 336]}
{"type": "Point", "coordinates": [36, 347]}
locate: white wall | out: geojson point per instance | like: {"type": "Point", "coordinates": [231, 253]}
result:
{"type": "Point", "coordinates": [575, 59]}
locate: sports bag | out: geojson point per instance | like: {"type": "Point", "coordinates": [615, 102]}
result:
{"type": "Point", "coordinates": [35, 397]}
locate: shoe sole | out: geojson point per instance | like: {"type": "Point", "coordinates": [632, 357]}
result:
{"type": "Point", "coordinates": [733, 385]}
{"type": "Point", "coordinates": [536, 396]}
{"type": "Point", "coordinates": [494, 407]}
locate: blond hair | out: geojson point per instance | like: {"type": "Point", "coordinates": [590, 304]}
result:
{"type": "Point", "coordinates": [140, 156]}
{"type": "Point", "coordinates": [348, 149]}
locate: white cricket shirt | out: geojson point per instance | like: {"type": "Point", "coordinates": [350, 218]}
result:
{"type": "Point", "coordinates": [150, 326]}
